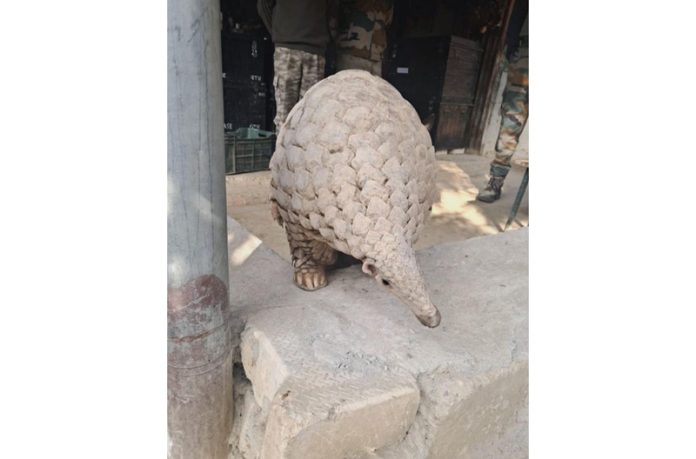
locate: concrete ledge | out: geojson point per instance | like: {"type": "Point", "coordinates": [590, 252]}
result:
{"type": "Point", "coordinates": [347, 371]}
{"type": "Point", "coordinates": [341, 420]}
{"type": "Point", "coordinates": [467, 417]}
{"type": "Point", "coordinates": [322, 401]}
{"type": "Point", "coordinates": [263, 366]}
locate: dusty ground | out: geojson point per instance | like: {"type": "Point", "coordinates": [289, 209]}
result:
{"type": "Point", "coordinates": [456, 215]}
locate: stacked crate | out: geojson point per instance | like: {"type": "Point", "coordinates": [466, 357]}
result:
{"type": "Point", "coordinates": [438, 76]}
{"type": "Point", "coordinates": [248, 150]}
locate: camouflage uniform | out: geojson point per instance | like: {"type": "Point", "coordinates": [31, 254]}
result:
{"type": "Point", "coordinates": [345, 61]}
{"type": "Point", "coordinates": [514, 112]}
{"type": "Point", "coordinates": [295, 72]}
{"type": "Point", "coordinates": [362, 34]}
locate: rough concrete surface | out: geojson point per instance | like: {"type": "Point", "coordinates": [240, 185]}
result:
{"type": "Point", "coordinates": [347, 372]}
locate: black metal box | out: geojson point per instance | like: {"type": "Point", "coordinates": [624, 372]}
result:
{"type": "Point", "coordinates": [245, 57]}
{"type": "Point", "coordinates": [245, 105]}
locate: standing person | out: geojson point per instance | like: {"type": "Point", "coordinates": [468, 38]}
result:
{"type": "Point", "coordinates": [362, 34]}
{"type": "Point", "coordinates": [300, 33]}
{"type": "Point", "coordinates": [515, 106]}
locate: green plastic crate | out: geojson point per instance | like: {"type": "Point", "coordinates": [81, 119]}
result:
{"type": "Point", "coordinates": [248, 150]}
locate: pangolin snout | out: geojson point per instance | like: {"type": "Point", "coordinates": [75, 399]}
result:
{"type": "Point", "coordinates": [405, 281]}
{"type": "Point", "coordinates": [431, 321]}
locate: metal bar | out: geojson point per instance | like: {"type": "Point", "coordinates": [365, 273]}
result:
{"type": "Point", "coordinates": [199, 357]}
{"type": "Point", "coordinates": [518, 199]}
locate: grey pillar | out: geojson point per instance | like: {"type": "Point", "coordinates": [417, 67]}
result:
{"type": "Point", "coordinates": [199, 376]}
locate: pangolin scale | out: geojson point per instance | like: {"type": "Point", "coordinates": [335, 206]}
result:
{"type": "Point", "coordinates": [353, 171]}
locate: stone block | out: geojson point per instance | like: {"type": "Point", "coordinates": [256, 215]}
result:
{"type": "Point", "coordinates": [321, 401]}
{"type": "Point", "coordinates": [347, 372]}
{"type": "Point", "coordinates": [349, 419]}
{"type": "Point", "coordinates": [263, 366]}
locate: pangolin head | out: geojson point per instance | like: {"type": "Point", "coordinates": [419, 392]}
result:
{"type": "Point", "coordinates": [398, 272]}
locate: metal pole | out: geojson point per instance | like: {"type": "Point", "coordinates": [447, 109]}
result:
{"type": "Point", "coordinates": [518, 199]}
{"type": "Point", "coordinates": [199, 373]}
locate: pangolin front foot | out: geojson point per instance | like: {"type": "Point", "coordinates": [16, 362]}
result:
{"type": "Point", "coordinates": [310, 278]}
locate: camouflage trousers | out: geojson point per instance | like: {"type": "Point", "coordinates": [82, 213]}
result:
{"type": "Point", "coordinates": [295, 72]}
{"type": "Point", "coordinates": [514, 111]}
{"type": "Point", "coordinates": [346, 61]}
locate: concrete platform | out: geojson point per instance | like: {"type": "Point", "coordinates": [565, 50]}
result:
{"type": "Point", "coordinates": [348, 371]}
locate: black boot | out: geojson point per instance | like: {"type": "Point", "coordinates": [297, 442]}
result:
{"type": "Point", "coordinates": [492, 191]}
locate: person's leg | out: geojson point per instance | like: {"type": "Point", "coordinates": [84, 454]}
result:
{"type": "Point", "coordinates": [515, 114]}
{"type": "Point", "coordinates": [515, 111]}
{"type": "Point", "coordinates": [346, 61]}
{"type": "Point", "coordinates": [287, 66]}
{"type": "Point", "coordinates": [376, 68]}
{"type": "Point", "coordinates": [312, 71]}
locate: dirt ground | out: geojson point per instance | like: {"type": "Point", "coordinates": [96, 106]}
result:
{"type": "Point", "coordinates": [456, 215]}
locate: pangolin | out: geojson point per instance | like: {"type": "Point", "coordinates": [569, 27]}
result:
{"type": "Point", "coordinates": [353, 171]}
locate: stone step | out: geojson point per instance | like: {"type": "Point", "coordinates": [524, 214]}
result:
{"type": "Point", "coordinates": [348, 372]}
